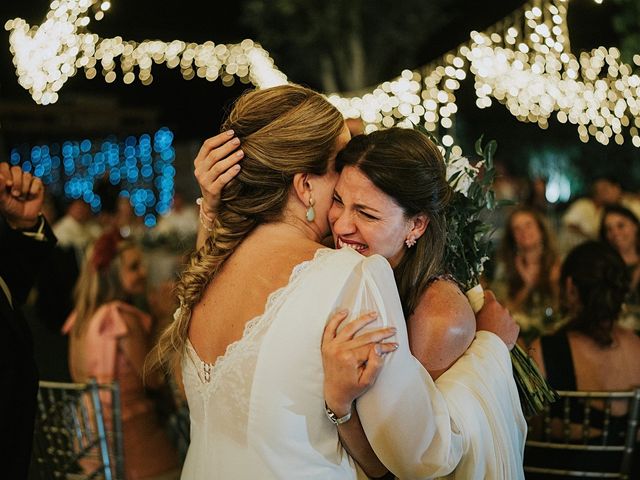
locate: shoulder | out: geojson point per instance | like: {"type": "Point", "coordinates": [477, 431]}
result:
{"type": "Point", "coordinates": [444, 312]}
{"type": "Point", "coordinates": [443, 301]}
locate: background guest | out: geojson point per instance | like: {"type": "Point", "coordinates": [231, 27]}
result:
{"type": "Point", "coordinates": [583, 217]}
{"type": "Point", "coordinates": [110, 339]}
{"type": "Point", "coordinates": [526, 278]}
{"type": "Point", "coordinates": [620, 229]}
{"type": "Point", "coordinates": [592, 352]}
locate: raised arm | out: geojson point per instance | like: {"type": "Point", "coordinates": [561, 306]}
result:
{"type": "Point", "coordinates": [215, 165]}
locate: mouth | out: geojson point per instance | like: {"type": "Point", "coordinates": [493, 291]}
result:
{"type": "Point", "coordinates": [358, 247]}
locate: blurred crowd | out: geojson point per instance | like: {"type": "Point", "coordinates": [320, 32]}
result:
{"type": "Point", "coordinates": [533, 237]}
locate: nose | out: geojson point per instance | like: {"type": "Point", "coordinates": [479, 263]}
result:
{"type": "Point", "coordinates": [341, 221]}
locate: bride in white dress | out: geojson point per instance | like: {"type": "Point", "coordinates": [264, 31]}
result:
{"type": "Point", "coordinates": [254, 304]}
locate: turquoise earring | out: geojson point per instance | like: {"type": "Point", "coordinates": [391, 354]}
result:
{"type": "Point", "coordinates": [311, 213]}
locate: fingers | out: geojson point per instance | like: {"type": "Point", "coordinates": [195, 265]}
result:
{"type": "Point", "coordinates": [214, 142]}
{"type": "Point", "coordinates": [16, 181]}
{"type": "Point", "coordinates": [356, 325]}
{"type": "Point", "coordinates": [4, 172]}
{"type": "Point", "coordinates": [375, 362]}
{"type": "Point", "coordinates": [222, 173]}
{"type": "Point", "coordinates": [223, 153]}
{"type": "Point", "coordinates": [373, 337]}
{"type": "Point", "coordinates": [36, 187]}
{"type": "Point", "coordinates": [332, 325]}
{"type": "Point", "coordinates": [489, 296]}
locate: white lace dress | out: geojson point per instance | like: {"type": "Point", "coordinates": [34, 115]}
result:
{"type": "Point", "coordinates": [258, 412]}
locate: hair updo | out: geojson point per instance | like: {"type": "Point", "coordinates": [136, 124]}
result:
{"type": "Point", "coordinates": [601, 279]}
{"type": "Point", "coordinates": [283, 131]}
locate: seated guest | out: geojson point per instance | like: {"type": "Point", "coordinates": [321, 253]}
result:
{"type": "Point", "coordinates": [526, 278]}
{"type": "Point", "coordinates": [591, 352]}
{"type": "Point", "coordinates": [620, 229]}
{"type": "Point", "coordinates": [109, 340]}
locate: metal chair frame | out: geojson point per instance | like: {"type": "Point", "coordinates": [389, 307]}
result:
{"type": "Point", "coordinates": [70, 426]}
{"type": "Point", "coordinates": [568, 441]}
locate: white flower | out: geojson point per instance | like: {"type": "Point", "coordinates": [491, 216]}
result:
{"type": "Point", "coordinates": [464, 173]}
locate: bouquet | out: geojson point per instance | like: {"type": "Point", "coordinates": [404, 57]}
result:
{"type": "Point", "coordinates": [467, 250]}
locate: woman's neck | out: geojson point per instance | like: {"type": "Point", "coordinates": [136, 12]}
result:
{"type": "Point", "coordinates": [531, 254]}
{"type": "Point", "coordinates": [630, 256]}
{"type": "Point", "coordinates": [289, 229]}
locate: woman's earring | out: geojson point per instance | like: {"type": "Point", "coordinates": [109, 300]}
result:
{"type": "Point", "coordinates": [410, 241]}
{"type": "Point", "coordinates": [311, 213]}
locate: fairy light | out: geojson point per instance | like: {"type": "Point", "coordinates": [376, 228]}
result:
{"type": "Point", "coordinates": [47, 55]}
{"type": "Point", "coordinates": [524, 63]}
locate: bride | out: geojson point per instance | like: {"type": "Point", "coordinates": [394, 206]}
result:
{"type": "Point", "coordinates": [254, 303]}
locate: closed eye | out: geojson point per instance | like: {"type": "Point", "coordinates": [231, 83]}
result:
{"type": "Point", "coordinates": [367, 215]}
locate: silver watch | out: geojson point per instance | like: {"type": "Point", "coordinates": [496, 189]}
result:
{"type": "Point", "coordinates": [334, 418]}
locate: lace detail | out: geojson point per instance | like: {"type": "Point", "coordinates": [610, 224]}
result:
{"type": "Point", "coordinates": [208, 373]}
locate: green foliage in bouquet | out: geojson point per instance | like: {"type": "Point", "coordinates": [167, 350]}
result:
{"type": "Point", "coordinates": [467, 249]}
{"type": "Point", "coordinates": [467, 233]}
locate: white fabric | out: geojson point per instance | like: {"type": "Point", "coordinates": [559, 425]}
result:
{"type": "Point", "coordinates": [71, 233]}
{"type": "Point", "coordinates": [487, 407]}
{"type": "Point", "coordinates": [258, 413]}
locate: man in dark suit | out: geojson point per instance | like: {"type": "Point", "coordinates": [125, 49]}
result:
{"type": "Point", "coordinates": [25, 241]}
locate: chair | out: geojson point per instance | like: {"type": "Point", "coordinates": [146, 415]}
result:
{"type": "Point", "coordinates": [72, 438]}
{"type": "Point", "coordinates": [579, 436]}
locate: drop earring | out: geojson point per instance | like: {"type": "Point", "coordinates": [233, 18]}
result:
{"type": "Point", "coordinates": [311, 213]}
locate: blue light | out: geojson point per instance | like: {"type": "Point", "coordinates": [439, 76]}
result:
{"type": "Point", "coordinates": [142, 167]}
{"type": "Point", "coordinates": [150, 220]}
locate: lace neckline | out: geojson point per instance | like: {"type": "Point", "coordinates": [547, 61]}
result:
{"type": "Point", "coordinates": [207, 371]}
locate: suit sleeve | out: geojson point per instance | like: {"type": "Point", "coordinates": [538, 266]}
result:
{"type": "Point", "coordinates": [21, 257]}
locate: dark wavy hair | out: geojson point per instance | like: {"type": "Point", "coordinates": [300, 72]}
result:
{"type": "Point", "coordinates": [509, 249]}
{"type": "Point", "coordinates": [623, 212]}
{"type": "Point", "coordinates": [407, 166]}
{"type": "Point", "coordinates": [600, 276]}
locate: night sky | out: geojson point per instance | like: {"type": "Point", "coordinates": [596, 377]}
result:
{"type": "Point", "coordinates": [193, 109]}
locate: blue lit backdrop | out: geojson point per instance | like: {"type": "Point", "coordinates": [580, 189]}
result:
{"type": "Point", "coordinates": [142, 167]}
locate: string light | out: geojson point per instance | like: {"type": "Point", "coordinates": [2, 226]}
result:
{"type": "Point", "coordinates": [523, 62]}
{"type": "Point", "coordinates": [47, 55]}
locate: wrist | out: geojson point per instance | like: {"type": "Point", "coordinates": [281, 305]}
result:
{"type": "Point", "coordinates": [336, 417]}
{"type": "Point", "coordinates": [340, 408]}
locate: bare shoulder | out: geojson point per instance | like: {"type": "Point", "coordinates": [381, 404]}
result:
{"type": "Point", "coordinates": [442, 327]}
{"type": "Point", "coordinates": [444, 302]}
